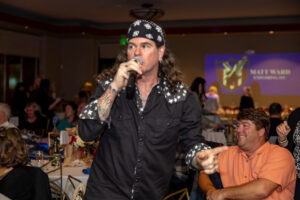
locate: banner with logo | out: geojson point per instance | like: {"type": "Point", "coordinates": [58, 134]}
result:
{"type": "Point", "coordinates": [273, 74]}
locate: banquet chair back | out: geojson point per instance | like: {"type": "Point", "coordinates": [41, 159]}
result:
{"type": "Point", "coordinates": [52, 166]}
{"type": "Point", "coordinates": [180, 194]}
{"type": "Point", "coordinates": [74, 189]}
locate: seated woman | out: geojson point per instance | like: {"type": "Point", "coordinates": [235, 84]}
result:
{"type": "Point", "coordinates": [18, 181]}
{"type": "Point", "coordinates": [34, 120]}
{"type": "Point", "coordinates": [70, 119]}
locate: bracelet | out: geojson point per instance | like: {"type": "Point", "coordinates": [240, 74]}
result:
{"type": "Point", "coordinates": [282, 141]}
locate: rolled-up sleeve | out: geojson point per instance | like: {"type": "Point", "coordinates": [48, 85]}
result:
{"type": "Point", "coordinates": [90, 126]}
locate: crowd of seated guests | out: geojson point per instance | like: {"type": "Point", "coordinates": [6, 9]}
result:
{"type": "Point", "coordinates": [40, 108]}
{"type": "Point", "coordinates": [35, 107]}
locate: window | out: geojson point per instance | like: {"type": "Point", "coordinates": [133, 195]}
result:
{"type": "Point", "coordinates": [15, 69]}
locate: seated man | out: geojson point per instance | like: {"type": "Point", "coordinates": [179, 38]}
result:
{"type": "Point", "coordinates": [254, 169]}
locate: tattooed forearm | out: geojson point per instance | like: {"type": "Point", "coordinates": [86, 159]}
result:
{"type": "Point", "coordinates": [105, 102]}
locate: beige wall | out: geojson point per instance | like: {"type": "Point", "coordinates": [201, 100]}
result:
{"type": "Point", "coordinates": [71, 62]}
{"type": "Point", "coordinates": [50, 59]}
{"type": "Point", "coordinates": [79, 64]}
{"type": "Point", "coordinates": [12, 43]}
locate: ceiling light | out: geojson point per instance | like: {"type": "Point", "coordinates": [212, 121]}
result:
{"type": "Point", "coordinates": [271, 32]}
{"type": "Point", "coordinates": [146, 12]}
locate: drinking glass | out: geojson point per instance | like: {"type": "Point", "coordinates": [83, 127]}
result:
{"type": "Point", "coordinates": [39, 157]}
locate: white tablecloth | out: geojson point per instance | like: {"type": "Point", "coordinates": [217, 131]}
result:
{"type": "Point", "coordinates": [214, 136]}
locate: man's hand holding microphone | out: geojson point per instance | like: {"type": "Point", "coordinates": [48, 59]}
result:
{"type": "Point", "coordinates": [126, 76]}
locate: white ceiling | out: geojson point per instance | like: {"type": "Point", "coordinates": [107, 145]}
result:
{"type": "Point", "coordinates": [111, 11]}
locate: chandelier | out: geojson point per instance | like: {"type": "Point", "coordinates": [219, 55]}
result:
{"type": "Point", "coordinates": [146, 12]}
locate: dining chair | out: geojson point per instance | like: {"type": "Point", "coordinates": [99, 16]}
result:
{"type": "Point", "coordinates": [52, 166]}
{"type": "Point", "coordinates": [76, 187]}
{"type": "Point", "coordinates": [181, 193]}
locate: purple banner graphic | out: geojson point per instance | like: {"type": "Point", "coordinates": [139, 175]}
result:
{"type": "Point", "coordinates": [274, 74]}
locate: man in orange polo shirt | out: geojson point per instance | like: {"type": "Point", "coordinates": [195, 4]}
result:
{"type": "Point", "coordinates": [254, 169]}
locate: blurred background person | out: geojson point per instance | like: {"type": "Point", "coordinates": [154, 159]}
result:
{"type": "Point", "coordinates": [18, 181]}
{"type": "Point", "coordinates": [5, 113]}
{"type": "Point", "coordinates": [246, 99]}
{"type": "Point", "coordinates": [19, 100]}
{"type": "Point", "coordinates": [81, 96]}
{"type": "Point", "coordinates": [15, 182]}
{"type": "Point", "coordinates": [212, 101]}
{"type": "Point", "coordinates": [198, 86]}
{"type": "Point", "coordinates": [34, 120]}
{"type": "Point", "coordinates": [44, 99]}
{"type": "Point", "coordinates": [36, 85]}
{"type": "Point", "coordinates": [211, 119]}
{"type": "Point", "coordinates": [70, 119]}
{"type": "Point", "coordinates": [80, 108]}
{"type": "Point", "coordinates": [289, 137]}
{"type": "Point", "coordinates": [275, 110]}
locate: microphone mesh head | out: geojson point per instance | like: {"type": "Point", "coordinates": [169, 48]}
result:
{"type": "Point", "coordinates": [138, 59]}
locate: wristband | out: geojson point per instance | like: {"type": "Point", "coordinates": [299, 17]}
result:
{"type": "Point", "coordinates": [282, 141]}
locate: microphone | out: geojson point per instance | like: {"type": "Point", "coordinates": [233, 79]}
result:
{"type": "Point", "coordinates": [130, 88]}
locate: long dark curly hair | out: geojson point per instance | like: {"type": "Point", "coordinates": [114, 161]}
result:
{"type": "Point", "coordinates": [167, 69]}
{"type": "Point", "coordinates": [195, 88]}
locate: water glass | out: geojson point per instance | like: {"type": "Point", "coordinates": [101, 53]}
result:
{"type": "Point", "coordinates": [39, 157]}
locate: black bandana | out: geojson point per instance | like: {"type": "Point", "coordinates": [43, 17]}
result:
{"type": "Point", "coordinates": [148, 30]}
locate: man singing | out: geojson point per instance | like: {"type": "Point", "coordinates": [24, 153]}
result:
{"type": "Point", "coordinates": [139, 135]}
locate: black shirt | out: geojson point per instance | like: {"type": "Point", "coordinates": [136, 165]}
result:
{"type": "Point", "coordinates": [39, 126]}
{"type": "Point", "coordinates": [17, 184]}
{"type": "Point", "coordinates": [246, 102]}
{"type": "Point", "coordinates": [137, 148]}
{"type": "Point", "coordinates": [26, 183]}
{"type": "Point", "coordinates": [274, 122]}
